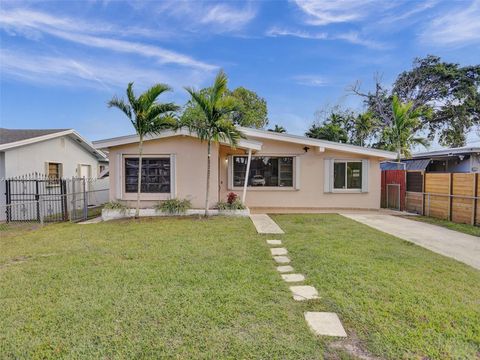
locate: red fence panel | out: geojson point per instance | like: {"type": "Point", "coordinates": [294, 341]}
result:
{"type": "Point", "coordinates": [396, 177]}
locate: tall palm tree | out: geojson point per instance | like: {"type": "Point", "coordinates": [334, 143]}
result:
{"type": "Point", "coordinates": [215, 126]}
{"type": "Point", "coordinates": [400, 135]}
{"type": "Point", "coordinates": [278, 129]}
{"type": "Point", "coordinates": [147, 117]}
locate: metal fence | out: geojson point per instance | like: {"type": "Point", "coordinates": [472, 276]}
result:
{"type": "Point", "coordinates": [36, 198]}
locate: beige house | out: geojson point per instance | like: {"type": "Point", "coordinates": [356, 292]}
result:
{"type": "Point", "coordinates": [282, 171]}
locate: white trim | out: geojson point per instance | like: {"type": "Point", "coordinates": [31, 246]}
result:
{"type": "Point", "coordinates": [332, 175]}
{"type": "Point", "coordinates": [173, 176]}
{"type": "Point", "coordinates": [130, 139]}
{"type": "Point", "coordinates": [71, 133]}
{"type": "Point", "coordinates": [119, 169]}
{"type": "Point", "coordinates": [297, 172]}
{"type": "Point", "coordinates": [316, 142]}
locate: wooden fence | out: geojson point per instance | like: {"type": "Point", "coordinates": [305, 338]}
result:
{"type": "Point", "coordinates": [450, 196]}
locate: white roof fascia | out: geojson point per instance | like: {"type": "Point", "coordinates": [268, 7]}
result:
{"type": "Point", "coordinates": [321, 144]}
{"type": "Point", "coordinates": [71, 133]}
{"type": "Point", "coordinates": [446, 152]}
{"type": "Point", "coordinates": [130, 139]}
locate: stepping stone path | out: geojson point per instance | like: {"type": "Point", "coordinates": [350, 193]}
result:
{"type": "Point", "coordinates": [325, 323]}
{"type": "Point", "coordinates": [284, 269]}
{"type": "Point", "coordinates": [274, 242]}
{"type": "Point", "coordinates": [278, 251]}
{"type": "Point", "coordinates": [304, 292]}
{"type": "Point", "coordinates": [293, 277]}
{"type": "Point", "coordinates": [281, 259]}
{"type": "Point", "coordinates": [265, 225]}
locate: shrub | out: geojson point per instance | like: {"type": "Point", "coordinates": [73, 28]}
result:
{"type": "Point", "coordinates": [235, 205]}
{"type": "Point", "coordinates": [115, 205]}
{"type": "Point", "coordinates": [174, 206]}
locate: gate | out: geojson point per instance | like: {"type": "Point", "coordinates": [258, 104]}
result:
{"type": "Point", "coordinates": [35, 198]}
{"type": "Point", "coordinates": [393, 189]}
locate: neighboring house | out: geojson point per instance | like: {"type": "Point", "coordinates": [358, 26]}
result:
{"type": "Point", "coordinates": [52, 152]}
{"type": "Point", "coordinates": [454, 160]}
{"type": "Point", "coordinates": [286, 171]}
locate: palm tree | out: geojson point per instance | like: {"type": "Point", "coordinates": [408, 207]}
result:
{"type": "Point", "coordinates": [147, 117]}
{"type": "Point", "coordinates": [278, 129]}
{"type": "Point", "coordinates": [365, 125]}
{"type": "Point", "coordinates": [400, 135]}
{"type": "Point", "coordinates": [215, 126]}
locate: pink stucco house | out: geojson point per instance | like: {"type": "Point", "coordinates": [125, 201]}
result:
{"type": "Point", "coordinates": [283, 171]}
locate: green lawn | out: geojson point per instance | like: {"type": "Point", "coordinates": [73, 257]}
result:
{"type": "Point", "coordinates": [400, 300]}
{"type": "Point", "coordinates": [163, 288]}
{"type": "Point", "coordinates": [464, 228]}
{"type": "Point", "coordinates": [188, 289]}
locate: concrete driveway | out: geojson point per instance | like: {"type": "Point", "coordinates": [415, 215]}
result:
{"type": "Point", "coordinates": [459, 246]}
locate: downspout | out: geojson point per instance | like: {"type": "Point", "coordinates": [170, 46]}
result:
{"type": "Point", "coordinates": [247, 174]}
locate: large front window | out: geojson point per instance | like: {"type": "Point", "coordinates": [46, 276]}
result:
{"type": "Point", "coordinates": [347, 175]}
{"type": "Point", "coordinates": [155, 175]}
{"type": "Point", "coordinates": [264, 171]}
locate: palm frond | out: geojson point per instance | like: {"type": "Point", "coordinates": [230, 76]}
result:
{"type": "Point", "coordinates": [201, 100]}
{"type": "Point", "coordinates": [131, 97]}
{"type": "Point", "coordinates": [149, 97]}
{"type": "Point", "coordinates": [161, 109]}
{"type": "Point", "coordinates": [219, 87]}
{"type": "Point", "coordinates": [122, 105]}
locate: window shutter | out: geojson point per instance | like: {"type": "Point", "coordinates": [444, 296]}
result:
{"type": "Point", "coordinates": [297, 172]}
{"type": "Point", "coordinates": [119, 169]}
{"type": "Point", "coordinates": [230, 172]}
{"type": "Point", "coordinates": [327, 175]}
{"type": "Point", "coordinates": [365, 166]}
{"type": "Point", "coordinates": [173, 185]}
{"type": "Point", "coordinates": [47, 172]}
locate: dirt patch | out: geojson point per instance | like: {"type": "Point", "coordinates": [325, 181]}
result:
{"type": "Point", "coordinates": [353, 347]}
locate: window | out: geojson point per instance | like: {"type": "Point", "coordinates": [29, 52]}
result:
{"type": "Point", "coordinates": [264, 171]}
{"type": "Point", "coordinates": [155, 175]}
{"type": "Point", "coordinates": [54, 170]}
{"type": "Point", "coordinates": [347, 175]}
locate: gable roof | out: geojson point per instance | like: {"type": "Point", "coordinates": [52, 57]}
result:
{"type": "Point", "coordinates": [253, 141]}
{"type": "Point", "coordinates": [13, 138]}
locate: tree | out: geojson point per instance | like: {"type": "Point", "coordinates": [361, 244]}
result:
{"type": "Point", "coordinates": [215, 125]}
{"type": "Point", "coordinates": [278, 129]}
{"type": "Point", "coordinates": [364, 127]}
{"type": "Point", "coordinates": [250, 110]}
{"type": "Point", "coordinates": [328, 131]}
{"type": "Point", "coordinates": [400, 136]}
{"type": "Point", "coordinates": [147, 116]}
{"type": "Point", "coordinates": [446, 94]}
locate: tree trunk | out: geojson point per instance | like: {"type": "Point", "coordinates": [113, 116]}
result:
{"type": "Point", "coordinates": [139, 176]}
{"type": "Point", "coordinates": [208, 178]}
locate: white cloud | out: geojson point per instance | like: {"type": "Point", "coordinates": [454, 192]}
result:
{"type": "Point", "coordinates": [324, 12]}
{"type": "Point", "coordinates": [36, 23]}
{"type": "Point", "coordinates": [352, 37]}
{"type": "Point", "coordinates": [227, 17]}
{"type": "Point", "coordinates": [455, 28]}
{"type": "Point", "coordinates": [310, 80]}
{"type": "Point", "coordinates": [104, 75]}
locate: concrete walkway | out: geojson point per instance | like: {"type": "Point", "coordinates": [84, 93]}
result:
{"type": "Point", "coordinates": [265, 225]}
{"type": "Point", "coordinates": [454, 244]}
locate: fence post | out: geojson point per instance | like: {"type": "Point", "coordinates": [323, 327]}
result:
{"type": "Point", "coordinates": [424, 179]}
{"type": "Point", "coordinates": [428, 204]}
{"type": "Point", "coordinates": [450, 197]}
{"type": "Point", "coordinates": [74, 200]}
{"type": "Point", "coordinates": [85, 200]}
{"type": "Point", "coordinates": [475, 194]}
{"type": "Point", "coordinates": [40, 207]}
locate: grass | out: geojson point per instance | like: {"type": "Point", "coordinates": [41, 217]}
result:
{"type": "Point", "coordinates": [400, 300]}
{"type": "Point", "coordinates": [464, 228]}
{"type": "Point", "coordinates": [154, 288]}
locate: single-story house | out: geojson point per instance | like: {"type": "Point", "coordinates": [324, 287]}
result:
{"type": "Point", "coordinates": [56, 153]}
{"type": "Point", "coordinates": [453, 160]}
{"type": "Point", "coordinates": [282, 170]}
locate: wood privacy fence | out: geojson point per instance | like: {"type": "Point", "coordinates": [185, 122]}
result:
{"type": "Point", "coordinates": [449, 196]}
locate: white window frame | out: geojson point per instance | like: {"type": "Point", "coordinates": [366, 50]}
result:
{"type": "Point", "coordinates": [295, 179]}
{"type": "Point", "coordinates": [332, 176]}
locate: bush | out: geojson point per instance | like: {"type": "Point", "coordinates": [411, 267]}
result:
{"type": "Point", "coordinates": [115, 205]}
{"type": "Point", "coordinates": [235, 205]}
{"type": "Point", "coordinates": [231, 197]}
{"type": "Point", "coordinates": [174, 206]}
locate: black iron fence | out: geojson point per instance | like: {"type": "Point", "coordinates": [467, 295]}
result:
{"type": "Point", "coordinates": [37, 198]}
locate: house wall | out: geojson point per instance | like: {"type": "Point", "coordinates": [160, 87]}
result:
{"type": "Point", "coordinates": [310, 193]}
{"type": "Point", "coordinates": [32, 158]}
{"type": "Point", "coordinates": [2, 186]}
{"type": "Point", "coordinates": [190, 156]}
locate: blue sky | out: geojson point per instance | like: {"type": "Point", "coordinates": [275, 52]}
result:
{"type": "Point", "coordinates": [60, 62]}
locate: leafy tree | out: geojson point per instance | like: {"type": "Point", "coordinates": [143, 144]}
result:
{"type": "Point", "coordinates": [215, 125]}
{"type": "Point", "coordinates": [400, 134]}
{"type": "Point", "coordinates": [278, 129]}
{"type": "Point", "coordinates": [446, 94]}
{"type": "Point", "coordinates": [250, 109]}
{"type": "Point", "coordinates": [330, 131]}
{"type": "Point", "coordinates": [147, 116]}
{"type": "Point", "coordinates": [363, 128]}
